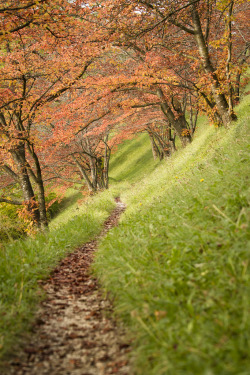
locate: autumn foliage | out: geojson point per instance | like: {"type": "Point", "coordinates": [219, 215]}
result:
{"type": "Point", "coordinates": [77, 78]}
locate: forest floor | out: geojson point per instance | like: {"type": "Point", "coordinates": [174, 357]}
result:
{"type": "Point", "coordinates": [74, 332]}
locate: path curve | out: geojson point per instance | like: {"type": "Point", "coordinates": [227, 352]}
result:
{"type": "Point", "coordinates": [74, 333]}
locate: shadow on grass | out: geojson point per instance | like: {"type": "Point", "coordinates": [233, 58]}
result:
{"type": "Point", "coordinates": [126, 149]}
{"type": "Point", "coordinates": [143, 165]}
{"type": "Point", "coordinates": [64, 204]}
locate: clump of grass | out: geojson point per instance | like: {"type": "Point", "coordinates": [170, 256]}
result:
{"type": "Point", "coordinates": [25, 261]}
{"type": "Point", "coordinates": [11, 226]}
{"type": "Point", "coordinates": [177, 263]}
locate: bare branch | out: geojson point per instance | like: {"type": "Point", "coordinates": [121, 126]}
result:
{"type": "Point", "coordinates": [16, 28]}
{"type": "Point", "coordinates": [10, 201]}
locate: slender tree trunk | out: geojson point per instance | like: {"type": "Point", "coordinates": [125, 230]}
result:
{"type": "Point", "coordinates": [93, 172]}
{"type": "Point", "coordinates": [40, 192]}
{"type": "Point", "coordinates": [193, 116]}
{"type": "Point", "coordinates": [93, 166]}
{"type": "Point", "coordinates": [172, 140]}
{"type": "Point", "coordinates": [237, 87]}
{"type": "Point", "coordinates": [219, 97]}
{"type": "Point", "coordinates": [42, 204]}
{"type": "Point", "coordinates": [238, 76]}
{"type": "Point", "coordinates": [163, 146]}
{"type": "Point", "coordinates": [213, 113]}
{"type": "Point", "coordinates": [100, 173]}
{"type": "Point", "coordinates": [154, 147]}
{"type": "Point", "coordinates": [229, 59]}
{"type": "Point", "coordinates": [161, 141]}
{"type": "Point", "coordinates": [106, 163]}
{"type": "Point", "coordinates": [24, 180]}
{"type": "Point", "coordinates": [84, 174]}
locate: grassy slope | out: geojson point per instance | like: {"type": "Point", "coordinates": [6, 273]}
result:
{"type": "Point", "coordinates": [177, 263]}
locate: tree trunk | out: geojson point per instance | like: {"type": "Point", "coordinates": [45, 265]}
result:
{"type": "Point", "coordinates": [154, 147]}
{"type": "Point", "coordinates": [193, 115]}
{"type": "Point", "coordinates": [40, 192]}
{"type": "Point", "coordinates": [238, 76]}
{"type": "Point", "coordinates": [163, 146]}
{"type": "Point", "coordinates": [218, 96]}
{"type": "Point", "coordinates": [84, 174]}
{"type": "Point", "coordinates": [106, 163]}
{"type": "Point", "coordinates": [179, 124]}
{"type": "Point", "coordinates": [93, 172]}
{"type": "Point", "coordinates": [24, 180]}
{"type": "Point", "coordinates": [229, 58]}
{"type": "Point", "coordinates": [92, 164]}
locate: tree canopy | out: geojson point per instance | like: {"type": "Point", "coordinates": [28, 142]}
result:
{"type": "Point", "coordinates": [79, 77]}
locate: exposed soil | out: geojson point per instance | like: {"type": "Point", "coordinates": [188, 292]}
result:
{"type": "Point", "coordinates": [74, 332]}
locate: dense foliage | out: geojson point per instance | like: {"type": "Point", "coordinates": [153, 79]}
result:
{"type": "Point", "coordinates": [79, 77]}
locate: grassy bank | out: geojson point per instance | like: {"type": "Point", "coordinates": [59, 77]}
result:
{"type": "Point", "coordinates": [177, 263]}
{"type": "Point", "coordinates": [24, 262]}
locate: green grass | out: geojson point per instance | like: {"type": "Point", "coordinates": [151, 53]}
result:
{"type": "Point", "coordinates": [177, 263]}
{"type": "Point", "coordinates": [132, 161]}
{"type": "Point", "coordinates": [26, 261]}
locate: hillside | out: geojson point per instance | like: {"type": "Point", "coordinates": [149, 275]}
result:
{"type": "Point", "coordinates": [177, 262]}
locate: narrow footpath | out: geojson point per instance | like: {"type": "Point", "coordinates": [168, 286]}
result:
{"type": "Point", "coordinates": [74, 333]}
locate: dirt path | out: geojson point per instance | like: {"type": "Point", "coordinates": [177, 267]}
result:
{"type": "Point", "coordinates": [73, 333]}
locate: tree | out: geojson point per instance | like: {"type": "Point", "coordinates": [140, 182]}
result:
{"type": "Point", "coordinates": [39, 64]}
{"type": "Point", "coordinates": [202, 32]}
{"type": "Point", "coordinates": [83, 157]}
{"type": "Point", "coordinates": [15, 16]}
{"type": "Point", "coordinates": [65, 85]}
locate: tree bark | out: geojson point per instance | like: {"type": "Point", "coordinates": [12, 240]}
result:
{"type": "Point", "coordinates": [40, 192]}
{"type": "Point", "coordinates": [219, 97]}
{"type": "Point", "coordinates": [93, 166]}
{"type": "Point", "coordinates": [84, 174]}
{"type": "Point", "coordinates": [229, 58]}
{"type": "Point", "coordinates": [238, 76]}
{"type": "Point", "coordinates": [154, 147]}
{"type": "Point", "coordinates": [24, 180]}
{"type": "Point", "coordinates": [178, 123]}
{"type": "Point", "coordinates": [106, 163]}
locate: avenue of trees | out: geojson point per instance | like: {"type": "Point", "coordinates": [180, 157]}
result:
{"type": "Point", "coordinates": [79, 77]}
